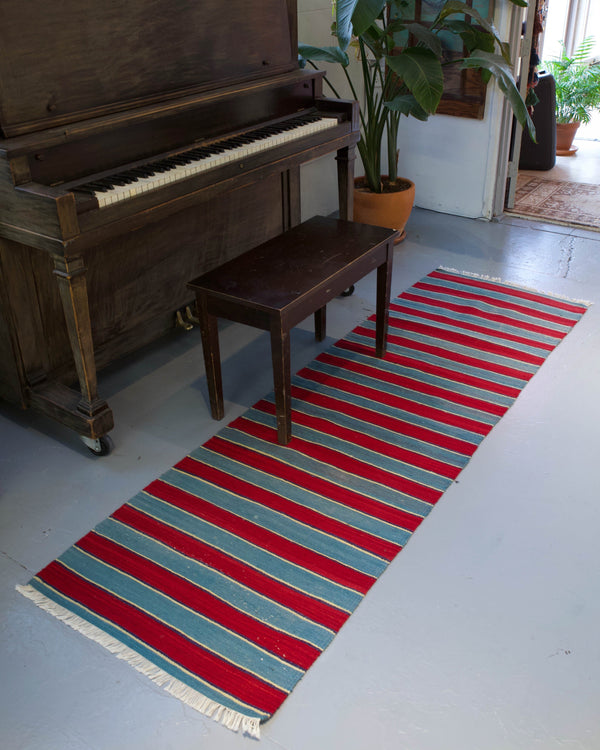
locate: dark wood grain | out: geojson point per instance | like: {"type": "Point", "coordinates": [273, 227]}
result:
{"type": "Point", "coordinates": [11, 375]}
{"type": "Point", "coordinates": [173, 104]}
{"type": "Point", "coordinates": [129, 53]}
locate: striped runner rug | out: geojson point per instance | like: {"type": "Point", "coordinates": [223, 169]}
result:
{"type": "Point", "coordinates": [224, 579]}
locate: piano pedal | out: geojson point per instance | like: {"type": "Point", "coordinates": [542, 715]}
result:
{"type": "Point", "coordinates": [181, 323]}
{"type": "Point", "coordinates": [191, 317]}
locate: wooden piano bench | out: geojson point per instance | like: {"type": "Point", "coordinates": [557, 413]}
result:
{"type": "Point", "coordinates": [278, 284]}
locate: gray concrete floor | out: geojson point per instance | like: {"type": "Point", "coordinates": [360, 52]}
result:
{"type": "Point", "coordinates": [481, 635]}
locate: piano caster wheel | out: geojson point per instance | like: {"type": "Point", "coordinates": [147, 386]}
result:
{"type": "Point", "coordinates": [98, 446]}
{"type": "Point", "coordinates": [348, 292]}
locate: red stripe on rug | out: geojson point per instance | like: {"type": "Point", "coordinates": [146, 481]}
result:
{"type": "Point", "coordinates": [192, 657]}
{"type": "Point", "coordinates": [485, 331]}
{"type": "Point", "coordinates": [293, 552]}
{"type": "Point", "coordinates": [503, 304]}
{"type": "Point", "coordinates": [379, 447]}
{"type": "Point", "coordinates": [320, 612]}
{"type": "Point", "coordinates": [397, 402]}
{"type": "Point", "coordinates": [462, 339]}
{"type": "Point", "coordinates": [293, 650]}
{"type": "Point", "coordinates": [513, 292]}
{"type": "Point", "coordinates": [479, 313]}
{"type": "Point", "coordinates": [394, 425]}
{"type": "Point", "coordinates": [417, 386]}
{"type": "Point", "coordinates": [338, 459]}
{"type": "Point", "coordinates": [438, 351]}
{"type": "Point", "coordinates": [441, 372]}
{"type": "Point", "coordinates": [361, 503]}
{"type": "Point", "coordinates": [330, 526]}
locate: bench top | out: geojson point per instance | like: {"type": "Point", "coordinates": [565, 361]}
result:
{"type": "Point", "coordinates": [280, 271]}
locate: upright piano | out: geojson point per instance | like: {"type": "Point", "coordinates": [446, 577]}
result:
{"type": "Point", "coordinates": [143, 143]}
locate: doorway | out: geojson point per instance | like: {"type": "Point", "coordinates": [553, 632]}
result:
{"type": "Point", "coordinates": [569, 192]}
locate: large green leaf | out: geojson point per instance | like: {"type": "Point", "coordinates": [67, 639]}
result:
{"type": "Point", "coordinates": [425, 37]}
{"type": "Point", "coordinates": [421, 71]}
{"type": "Point", "coordinates": [343, 21]}
{"type": "Point", "coordinates": [353, 17]}
{"type": "Point", "coordinates": [503, 75]}
{"type": "Point", "coordinates": [326, 54]}
{"type": "Point", "coordinates": [406, 104]}
{"type": "Point", "coordinates": [365, 13]}
{"type": "Point", "coordinates": [454, 7]}
{"type": "Point", "coordinates": [396, 26]}
{"type": "Point", "coordinates": [473, 37]}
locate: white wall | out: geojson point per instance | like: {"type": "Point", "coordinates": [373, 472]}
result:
{"type": "Point", "coordinates": [452, 160]}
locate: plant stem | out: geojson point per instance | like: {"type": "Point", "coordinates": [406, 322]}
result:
{"type": "Point", "coordinates": [392, 142]}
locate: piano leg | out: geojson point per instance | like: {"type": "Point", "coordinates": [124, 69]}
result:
{"type": "Point", "coordinates": [345, 166]}
{"type": "Point", "coordinates": [87, 413]}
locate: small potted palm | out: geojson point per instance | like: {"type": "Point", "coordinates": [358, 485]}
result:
{"type": "Point", "coordinates": [577, 93]}
{"type": "Point", "coordinates": [401, 72]}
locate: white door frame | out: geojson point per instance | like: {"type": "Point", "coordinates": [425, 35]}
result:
{"type": "Point", "coordinates": [511, 132]}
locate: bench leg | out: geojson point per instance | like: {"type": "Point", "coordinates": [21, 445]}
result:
{"type": "Point", "coordinates": [280, 352]}
{"type": "Point", "coordinates": [384, 281]}
{"type": "Point", "coordinates": [321, 323]}
{"type": "Point", "coordinates": [212, 358]}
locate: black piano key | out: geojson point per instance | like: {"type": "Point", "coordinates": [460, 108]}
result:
{"type": "Point", "coordinates": [169, 163]}
{"type": "Point", "coordinates": [142, 171]}
{"type": "Point", "coordinates": [199, 153]}
{"type": "Point", "coordinates": [99, 187]}
{"type": "Point", "coordinates": [244, 140]}
{"type": "Point", "coordinates": [160, 166]}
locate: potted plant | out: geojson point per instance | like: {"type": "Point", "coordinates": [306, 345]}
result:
{"type": "Point", "coordinates": [401, 69]}
{"type": "Point", "coordinates": [577, 93]}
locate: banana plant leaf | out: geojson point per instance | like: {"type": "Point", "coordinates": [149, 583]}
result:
{"type": "Point", "coordinates": [497, 66]}
{"type": "Point", "coordinates": [421, 70]}
{"type": "Point", "coordinates": [324, 54]}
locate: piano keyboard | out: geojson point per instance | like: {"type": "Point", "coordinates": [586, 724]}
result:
{"type": "Point", "coordinates": [132, 182]}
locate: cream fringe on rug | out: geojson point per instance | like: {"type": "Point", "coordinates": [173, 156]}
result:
{"type": "Point", "coordinates": [231, 719]}
{"type": "Point", "coordinates": [517, 285]}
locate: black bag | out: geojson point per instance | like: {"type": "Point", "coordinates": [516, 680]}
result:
{"type": "Point", "coordinates": [541, 155]}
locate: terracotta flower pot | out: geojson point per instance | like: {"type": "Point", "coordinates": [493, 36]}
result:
{"type": "Point", "coordinates": [388, 209]}
{"type": "Point", "coordinates": [565, 134]}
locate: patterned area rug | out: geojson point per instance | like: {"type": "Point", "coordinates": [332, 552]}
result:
{"type": "Point", "coordinates": [565, 202]}
{"type": "Point", "coordinates": [224, 579]}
